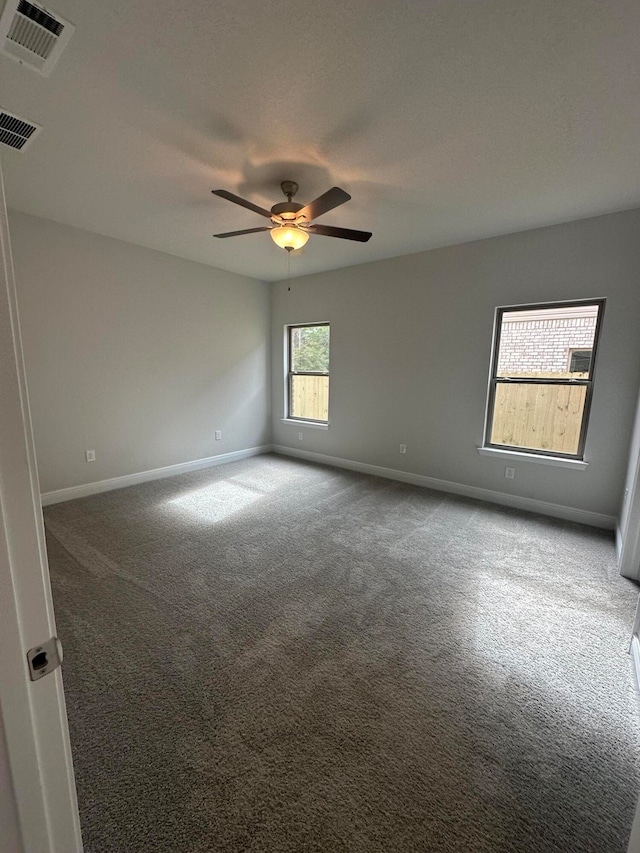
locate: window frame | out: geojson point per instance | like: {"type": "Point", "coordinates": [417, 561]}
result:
{"type": "Point", "coordinates": [495, 380]}
{"type": "Point", "coordinates": [291, 373]}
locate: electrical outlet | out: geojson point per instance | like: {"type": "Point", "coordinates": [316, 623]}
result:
{"type": "Point", "coordinates": [510, 473]}
{"type": "Point", "coordinates": [90, 455]}
{"type": "Point", "coordinates": [403, 448]}
{"type": "Point", "coordinates": [300, 436]}
{"type": "Point", "coordinates": [218, 434]}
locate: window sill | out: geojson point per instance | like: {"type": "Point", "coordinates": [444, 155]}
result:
{"type": "Point", "coordinates": [312, 424]}
{"type": "Point", "coordinates": [557, 461]}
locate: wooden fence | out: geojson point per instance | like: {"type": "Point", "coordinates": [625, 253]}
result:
{"type": "Point", "coordinates": [311, 397]}
{"type": "Point", "coordinates": [543, 417]}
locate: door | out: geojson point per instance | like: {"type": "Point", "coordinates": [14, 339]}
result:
{"type": "Point", "coordinates": [39, 812]}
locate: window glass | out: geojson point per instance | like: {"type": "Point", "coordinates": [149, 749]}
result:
{"type": "Point", "coordinates": [308, 375]}
{"type": "Point", "coordinates": [310, 397]}
{"type": "Point", "coordinates": [538, 343]}
{"type": "Point", "coordinates": [580, 361]}
{"type": "Point", "coordinates": [538, 416]}
{"type": "Point", "coordinates": [310, 348]}
{"type": "Point", "coordinates": [542, 377]}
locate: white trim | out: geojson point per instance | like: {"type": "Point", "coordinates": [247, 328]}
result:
{"type": "Point", "coordinates": [312, 424]}
{"type": "Point", "coordinates": [39, 777]}
{"type": "Point", "coordinates": [619, 542]}
{"type": "Point", "coordinates": [557, 461]}
{"type": "Point", "coordinates": [628, 539]}
{"type": "Point", "coordinates": [568, 313]}
{"type": "Point", "coordinates": [635, 660]}
{"type": "Point", "coordinates": [582, 516]}
{"type": "Point", "coordinates": [636, 620]}
{"type": "Point", "coordinates": [122, 482]}
{"type": "Point", "coordinates": [629, 546]}
{"type": "Point", "coordinates": [634, 838]}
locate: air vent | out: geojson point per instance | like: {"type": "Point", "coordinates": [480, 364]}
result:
{"type": "Point", "coordinates": [32, 35]}
{"type": "Point", "coordinates": [16, 132]}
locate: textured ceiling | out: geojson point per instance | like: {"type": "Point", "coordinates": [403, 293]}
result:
{"type": "Point", "coordinates": [446, 120]}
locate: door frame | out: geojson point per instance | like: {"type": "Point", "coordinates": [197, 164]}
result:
{"type": "Point", "coordinates": [629, 538]}
{"type": "Point", "coordinates": [36, 760]}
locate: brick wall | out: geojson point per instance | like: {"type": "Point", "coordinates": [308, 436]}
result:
{"type": "Point", "coordinates": [529, 346]}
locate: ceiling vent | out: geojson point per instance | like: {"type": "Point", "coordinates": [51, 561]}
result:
{"type": "Point", "coordinates": [32, 35]}
{"type": "Point", "coordinates": [16, 132]}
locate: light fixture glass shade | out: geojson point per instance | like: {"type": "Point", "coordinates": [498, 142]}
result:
{"type": "Point", "coordinates": [289, 237]}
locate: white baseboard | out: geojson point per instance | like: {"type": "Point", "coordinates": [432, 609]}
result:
{"type": "Point", "coordinates": [87, 489]}
{"type": "Point", "coordinates": [582, 516]}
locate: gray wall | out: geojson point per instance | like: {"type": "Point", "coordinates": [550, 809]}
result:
{"type": "Point", "coordinates": [136, 354]}
{"type": "Point", "coordinates": [141, 356]}
{"type": "Point", "coordinates": [410, 348]}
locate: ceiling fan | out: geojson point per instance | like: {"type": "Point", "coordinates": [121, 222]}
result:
{"type": "Point", "coordinates": [292, 223]}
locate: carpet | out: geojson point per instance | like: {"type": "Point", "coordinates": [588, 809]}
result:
{"type": "Point", "coordinates": [277, 656]}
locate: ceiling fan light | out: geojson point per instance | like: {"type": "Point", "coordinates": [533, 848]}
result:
{"type": "Point", "coordinates": [289, 237]}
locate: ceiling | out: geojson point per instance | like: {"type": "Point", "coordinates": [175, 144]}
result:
{"type": "Point", "coordinates": [446, 120]}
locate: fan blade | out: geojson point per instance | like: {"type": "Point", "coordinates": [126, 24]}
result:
{"type": "Point", "coordinates": [344, 233]}
{"type": "Point", "coordinates": [323, 204]}
{"type": "Point", "coordinates": [242, 202]}
{"type": "Point", "coordinates": [246, 231]}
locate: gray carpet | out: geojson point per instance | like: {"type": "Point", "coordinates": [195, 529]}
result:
{"type": "Point", "coordinates": [276, 656]}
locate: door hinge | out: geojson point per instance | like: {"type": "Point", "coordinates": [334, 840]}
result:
{"type": "Point", "coordinates": [45, 658]}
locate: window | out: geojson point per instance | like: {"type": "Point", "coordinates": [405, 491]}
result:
{"type": "Point", "coordinates": [580, 360]}
{"type": "Point", "coordinates": [542, 377]}
{"type": "Point", "coordinates": [308, 372]}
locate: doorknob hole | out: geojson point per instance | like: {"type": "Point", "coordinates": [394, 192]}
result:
{"type": "Point", "coordinates": [39, 661]}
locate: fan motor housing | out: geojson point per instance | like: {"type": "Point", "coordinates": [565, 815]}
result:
{"type": "Point", "coordinates": [289, 219]}
{"type": "Point", "coordinates": [286, 207]}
